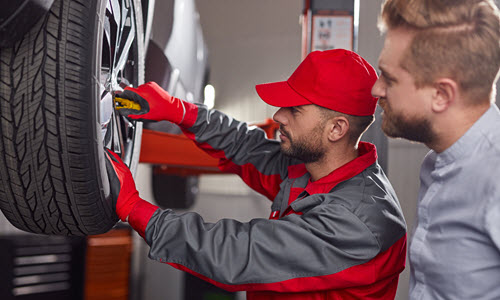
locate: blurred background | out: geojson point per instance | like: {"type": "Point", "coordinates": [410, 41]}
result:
{"type": "Point", "coordinates": [247, 43]}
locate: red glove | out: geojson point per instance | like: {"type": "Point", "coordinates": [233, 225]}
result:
{"type": "Point", "coordinates": [149, 102]}
{"type": "Point", "coordinates": [123, 191]}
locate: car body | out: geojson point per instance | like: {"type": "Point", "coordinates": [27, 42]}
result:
{"type": "Point", "coordinates": [176, 42]}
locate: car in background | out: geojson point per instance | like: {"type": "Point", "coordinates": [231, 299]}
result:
{"type": "Point", "coordinates": [61, 63]}
{"type": "Point", "coordinates": [177, 60]}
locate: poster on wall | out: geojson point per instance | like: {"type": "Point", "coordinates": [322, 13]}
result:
{"type": "Point", "coordinates": [332, 32]}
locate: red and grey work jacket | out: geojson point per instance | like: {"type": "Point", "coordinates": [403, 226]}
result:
{"type": "Point", "coordinates": [340, 237]}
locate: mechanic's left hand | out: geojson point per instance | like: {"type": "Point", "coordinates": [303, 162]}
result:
{"type": "Point", "coordinates": [123, 192]}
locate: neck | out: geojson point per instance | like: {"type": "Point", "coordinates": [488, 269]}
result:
{"type": "Point", "coordinates": [332, 160]}
{"type": "Point", "coordinates": [451, 127]}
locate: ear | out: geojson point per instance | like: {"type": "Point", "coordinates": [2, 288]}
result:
{"type": "Point", "coordinates": [337, 128]}
{"type": "Point", "coordinates": [445, 94]}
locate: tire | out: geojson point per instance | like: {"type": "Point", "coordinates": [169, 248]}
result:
{"type": "Point", "coordinates": [57, 114]}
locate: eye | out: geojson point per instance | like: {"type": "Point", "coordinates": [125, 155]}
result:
{"type": "Point", "coordinates": [293, 110]}
{"type": "Point", "coordinates": [387, 79]}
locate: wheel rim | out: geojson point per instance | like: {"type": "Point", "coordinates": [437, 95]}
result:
{"type": "Point", "coordinates": [120, 59]}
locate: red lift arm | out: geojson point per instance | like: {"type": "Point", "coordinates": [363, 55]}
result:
{"type": "Point", "coordinates": [179, 155]}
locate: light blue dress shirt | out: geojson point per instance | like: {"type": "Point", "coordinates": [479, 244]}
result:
{"type": "Point", "coordinates": [455, 248]}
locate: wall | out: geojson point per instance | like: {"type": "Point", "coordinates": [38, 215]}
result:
{"type": "Point", "coordinates": [250, 42]}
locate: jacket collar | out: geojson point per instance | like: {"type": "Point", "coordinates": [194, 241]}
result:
{"type": "Point", "coordinates": [367, 156]}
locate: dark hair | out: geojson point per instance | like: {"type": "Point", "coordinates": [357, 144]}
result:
{"type": "Point", "coordinates": [357, 124]}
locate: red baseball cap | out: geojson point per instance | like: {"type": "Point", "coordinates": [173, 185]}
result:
{"type": "Point", "coordinates": [337, 79]}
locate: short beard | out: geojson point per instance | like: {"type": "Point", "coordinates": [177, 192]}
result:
{"type": "Point", "coordinates": [308, 150]}
{"type": "Point", "coordinates": [418, 130]}
{"type": "Point", "coordinates": [304, 153]}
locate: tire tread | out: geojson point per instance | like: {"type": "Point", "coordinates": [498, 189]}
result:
{"type": "Point", "coordinates": [45, 129]}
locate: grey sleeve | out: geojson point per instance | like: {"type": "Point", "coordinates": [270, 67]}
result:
{"type": "Point", "coordinates": [238, 145]}
{"type": "Point", "coordinates": [325, 240]}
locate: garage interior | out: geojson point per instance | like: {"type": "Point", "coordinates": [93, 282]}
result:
{"type": "Point", "coordinates": [248, 42]}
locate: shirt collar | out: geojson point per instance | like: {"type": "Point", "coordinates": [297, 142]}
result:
{"type": "Point", "coordinates": [470, 139]}
{"type": "Point", "coordinates": [367, 156]}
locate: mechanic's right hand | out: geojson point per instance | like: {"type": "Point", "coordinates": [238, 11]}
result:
{"type": "Point", "coordinates": [123, 192]}
{"type": "Point", "coordinates": [154, 104]}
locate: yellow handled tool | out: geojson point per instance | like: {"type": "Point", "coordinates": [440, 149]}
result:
{"type": "Point", "coordinates": [126, 103]}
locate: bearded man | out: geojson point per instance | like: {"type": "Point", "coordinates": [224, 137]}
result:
{"type": "Point", "coordinates": [336, 229]}
{"type": "Point", "coordinates": [439, 66]}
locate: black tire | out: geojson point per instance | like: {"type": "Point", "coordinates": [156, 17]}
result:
{"type": "Point", "coordinates": [53, 94]}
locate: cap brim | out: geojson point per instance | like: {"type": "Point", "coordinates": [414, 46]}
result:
{"type": "Point", "coordinates": [280, 94]}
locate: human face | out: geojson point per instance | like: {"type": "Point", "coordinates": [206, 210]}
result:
{"type": "Point", "coordinates": [406, 107]}
{"type": "Point", "coordinates": [301, 129]}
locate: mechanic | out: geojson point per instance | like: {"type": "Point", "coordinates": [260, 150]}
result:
{"type": "Point", "coordinates": [336, 228]}
{"type": "Point", "coordinates": [439, 66]}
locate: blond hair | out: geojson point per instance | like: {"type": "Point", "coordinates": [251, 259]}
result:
{"type": "Point", "coordinates": [457, 39]}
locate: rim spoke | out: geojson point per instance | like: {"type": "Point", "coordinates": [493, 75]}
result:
{"type": "Point", "coordinates": [107, 34]}
{"type": "Point", "coordinates": [125, 13]}
{"type": "Point", "coordinates": [117, 137]}
{"type": "Point", "coordinates": [118, 40]}
{"type": "Point", "coordinates": [115, 11]}
{"type": "Point", "coordinates": [127, 36]}
{"type": "Point", "coordinates": [129, 136]}
{"type": "Point", "coordinates": [118, 18]}
{"type": "Point", "coordinates": [124, 52]}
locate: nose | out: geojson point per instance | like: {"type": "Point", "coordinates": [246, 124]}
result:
{"type": "Point", "coordinates": [378, 89]}
{"type": "Point", "coordinates": [279, 116]}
